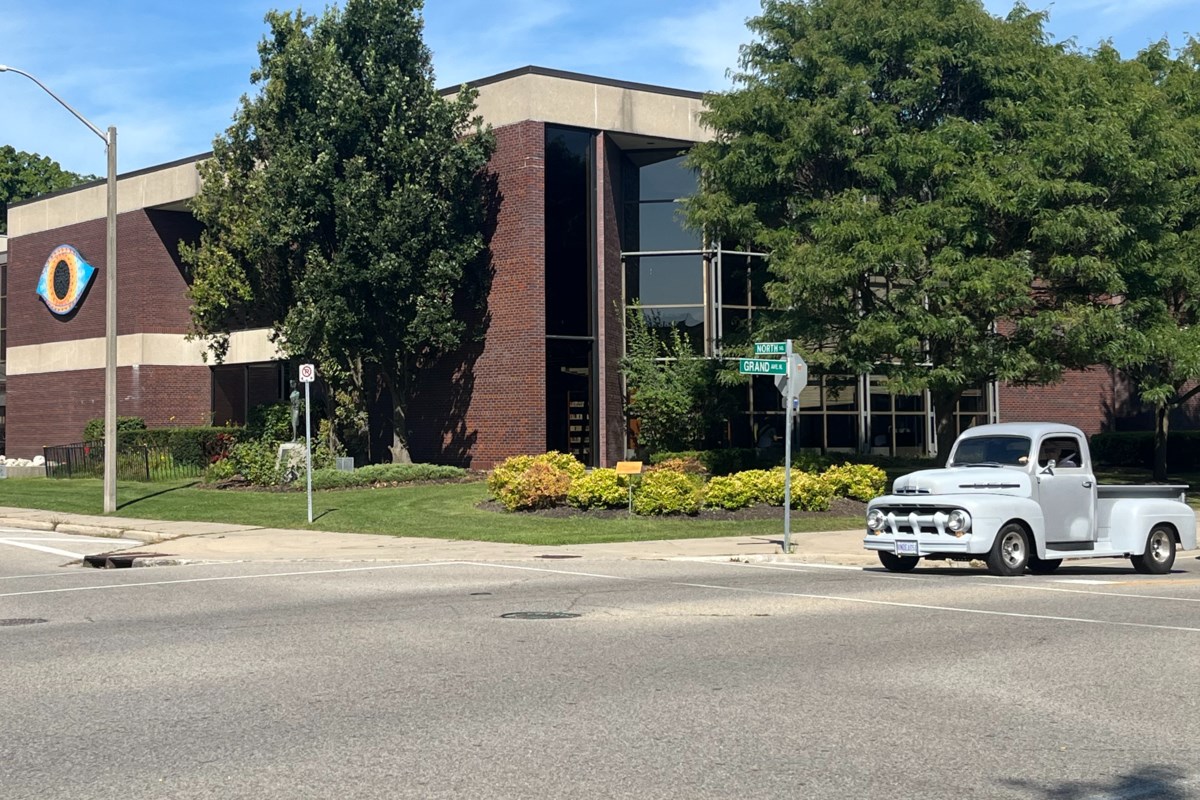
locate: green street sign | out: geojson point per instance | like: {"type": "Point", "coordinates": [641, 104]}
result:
{"type": "Point", "coordinates": [770, 348]}
{"type": "Point", "coordinates": [761, 366]}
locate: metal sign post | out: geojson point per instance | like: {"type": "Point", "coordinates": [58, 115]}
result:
{"type": "Point", "coordinates": [791, 376]}
{"type": "Point", "coordinates": [307, 373]}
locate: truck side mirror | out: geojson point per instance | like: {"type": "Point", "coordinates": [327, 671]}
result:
{"type": "Point", "coordinates": [1049, 468]}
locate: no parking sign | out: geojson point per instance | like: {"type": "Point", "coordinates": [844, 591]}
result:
{"type": "Point", "coordinates": [308, 372]}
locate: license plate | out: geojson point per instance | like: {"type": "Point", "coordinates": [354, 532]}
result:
{"type": "Point", "coordinates": [906, 548]}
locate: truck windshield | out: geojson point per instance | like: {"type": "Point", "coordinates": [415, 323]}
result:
{"type": "Point", "coordinates": [992, 451]}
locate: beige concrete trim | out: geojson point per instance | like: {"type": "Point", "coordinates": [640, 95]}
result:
{"type": "Point", "coordinates": [564, 101]}
{"type": "Point", "coordinates": [160, 187]}
{"type": "Point", "coordinates": [148, 349]}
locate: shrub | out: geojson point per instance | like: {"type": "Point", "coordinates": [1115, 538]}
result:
{"type": "Point", "coordinates": [272, 421]}
{"type": "Point", "coordinates": [809, 492]}
{"type": "Point", "coordinates": [600, 488]}
{"type": "Point", "coordinates": [221, 470]}
{"type": "Point", "coordinates": [256, 462]}
{"type": "Point", "coordinates": [665, 492]}
{"type": "Point", "coordinates": [327, 478]}
{"type": "Point", "coordinates": [685, 465]}
{"type": "Point", "coordinates": [730, 492]}
{"type": "Point", "coordinates": [93, 431]}
{"type": "Point", "coordinates": [529, 482]}
{"type": "Point", "coordinates": [726, 461]}
{"type": "Point", "coordinates": [859, 481]}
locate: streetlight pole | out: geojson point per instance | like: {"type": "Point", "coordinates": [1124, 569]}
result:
{"type": "Point", "coordinates": [110, 298]}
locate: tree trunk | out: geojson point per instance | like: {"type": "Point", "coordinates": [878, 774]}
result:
{"type": "Point", "coordinates": [399, 448]}
{"type": "Point", "coordinates": [1162, 421]}
{"type": "Point", "coordinates": [944, 404]}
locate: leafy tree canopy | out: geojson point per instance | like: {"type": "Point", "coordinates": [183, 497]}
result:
{"type": "Point", "coordinates": [24, 176]}
{"type": "Point", "coordinates": [945, 196]}
{"type": "Point", "coordinates": [345, 208]}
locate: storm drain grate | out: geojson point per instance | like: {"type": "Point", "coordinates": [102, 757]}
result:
{"type": "Point", "coordinates": [4, 623]}
{"type": "Point", "coordinates": [117, 560]}
{"type": "Point", "coordinates": [559, 555]}
{"type": "Point", "coordinates": [538, 615]}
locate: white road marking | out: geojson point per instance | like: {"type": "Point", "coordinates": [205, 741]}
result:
{"type": "Point", "coordinates": [739, 590]}
{"type": "Point", "coordinates": [79, 539]}
{"type": "Point", "coordinates": [227, 578]}
{"type": "Point", "coordinates": [52, 550]}
{"type": "Point", "coordinates": [1083, 580]}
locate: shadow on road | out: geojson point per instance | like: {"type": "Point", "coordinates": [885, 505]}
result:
{"type": "Point", "coordinates": [1159, 783]}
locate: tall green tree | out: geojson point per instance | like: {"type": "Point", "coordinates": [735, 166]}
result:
{"type": "Point", "coordinates": [907, 166]}
{"type": "Point", "coordinates": [1157, 343]}
{"type": "Point", "coordinates": [345, 208]}
{"type": "Point", "coordinates": [24, 176]}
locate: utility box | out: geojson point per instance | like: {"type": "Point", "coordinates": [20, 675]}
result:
{"type": "Point", "coordinates": [344, 463]}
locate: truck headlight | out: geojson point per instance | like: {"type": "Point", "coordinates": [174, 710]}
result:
{"type": "Point", "coordinates": [959, 521]}
{"type": "Point", "coordinates": [875, 520]}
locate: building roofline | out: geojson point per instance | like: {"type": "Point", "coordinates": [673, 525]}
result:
{"type": "Point", "coordinates": [574, 76]}
{"type": "Point", "coordinates": [120, 176]}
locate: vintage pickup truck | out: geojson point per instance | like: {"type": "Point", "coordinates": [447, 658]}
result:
{"type": "Point", "coordinates": [1020, 495]}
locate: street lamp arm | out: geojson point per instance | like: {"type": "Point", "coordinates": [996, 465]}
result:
{"type": "Point", "coordinates": [61, 102]}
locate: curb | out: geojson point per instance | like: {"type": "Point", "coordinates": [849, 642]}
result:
{"type": "Point", "coordinates": [145, 537]}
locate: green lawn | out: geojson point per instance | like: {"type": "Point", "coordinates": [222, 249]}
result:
{"type": "Point", "coordinates": [441, 511]}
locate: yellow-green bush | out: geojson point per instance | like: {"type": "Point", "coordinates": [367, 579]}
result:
{"type": "Point", "coordinates": [529, 482]}
{"type": "Point", "coordinates": [686, 465]}
{"type": "Point", "coordinates": [600, 488]}
{"type": "Point", "coordinates": [859, 481]}
{"type": "Point", "coordinates": [809, 492]}
{"type": "Point", "coordinates": [667, 492]}
{"type": "Point", "coordinates": [730, 492]}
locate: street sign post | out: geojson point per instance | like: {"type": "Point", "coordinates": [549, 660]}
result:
{"type": "Point", "coordinates": [791, 376]}
{"type": "Point", "coordinates": [308, 373]}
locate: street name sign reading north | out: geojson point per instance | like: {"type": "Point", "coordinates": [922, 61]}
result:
{"type": "Point", "coordinates": [762, 366]}
{"type": "Point", "coordinates": [770, 348]}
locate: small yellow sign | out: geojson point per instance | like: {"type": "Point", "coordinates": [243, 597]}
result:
{"type": "Point", "coordinates": [629, 468]}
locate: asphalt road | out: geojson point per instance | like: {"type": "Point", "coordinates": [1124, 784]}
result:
{"type": "Point", "coordinates": [677, 679]}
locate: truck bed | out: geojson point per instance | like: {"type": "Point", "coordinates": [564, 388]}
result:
{"type": "Point", "coordinates": [1116, 491]}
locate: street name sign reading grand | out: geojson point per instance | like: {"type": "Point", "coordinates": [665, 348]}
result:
{"type": "Point", "coordinates": [762, 366]}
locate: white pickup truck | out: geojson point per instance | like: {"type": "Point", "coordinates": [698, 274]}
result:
{"type": "Point", "coordinates": [1020, 495]}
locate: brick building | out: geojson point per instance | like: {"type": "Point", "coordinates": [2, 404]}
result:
{"type": "Point", "coordinates": [590, 175]}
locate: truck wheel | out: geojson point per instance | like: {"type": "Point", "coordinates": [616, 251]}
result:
{"type": "Point", "coordinates": [1043, 566]}
{"type": "Point", "coordinates": [1160, 552]}
{"type": "Point", "coordinates": [1010, 551]}
{"type": "Point", "coordinates": [894, 563]}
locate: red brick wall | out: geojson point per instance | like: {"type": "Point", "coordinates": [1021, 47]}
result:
{"type": "Point", "coordinates": [488, 402]}
{"type": "Point", "coordinates": [151, 290]}
{"type": "Point", "coordinates": [53, 408]}
{"type": "Point", "coordinates": [1083, 399]}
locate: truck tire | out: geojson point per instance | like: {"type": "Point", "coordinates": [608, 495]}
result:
{"type": "Point", "coordinates": [1160, 552]}
{"type": "Point", "coordinates": [1010, 552]}
{"type": "Point", "coordinates": [894, 563]}
{"type": "Point", "coordinates": [1043, 566]}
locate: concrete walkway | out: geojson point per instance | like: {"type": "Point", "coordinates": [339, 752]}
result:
{"type": "Point", "coordinates": [180, 542]}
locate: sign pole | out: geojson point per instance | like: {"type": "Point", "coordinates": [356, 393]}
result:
{"type": "Point", "coordinates": [787, 455]}
{"type": "Point", "coordinates": [308, 444]}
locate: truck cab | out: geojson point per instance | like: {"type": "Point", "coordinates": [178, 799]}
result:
{"type": "Point", "coordinates": [1023, 495]}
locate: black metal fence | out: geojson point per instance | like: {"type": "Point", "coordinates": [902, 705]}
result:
{"type": "Point", "coordinates": [134, 462]}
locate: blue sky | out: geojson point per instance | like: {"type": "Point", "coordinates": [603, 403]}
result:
{"type": "Point", "coordinates": [169, 74]}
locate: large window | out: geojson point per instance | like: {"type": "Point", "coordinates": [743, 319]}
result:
{"type": "Point", "coordinates": [570, 293]}
{"type": "Point", "coordinates": [665, 270]}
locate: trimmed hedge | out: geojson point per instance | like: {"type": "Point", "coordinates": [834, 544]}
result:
{"type": "Point", "coordinates": [600, 488]}
{"type": "Point", "coordinates": [383, 473]}
{"type": "Point", "coordinates": [530, 482]}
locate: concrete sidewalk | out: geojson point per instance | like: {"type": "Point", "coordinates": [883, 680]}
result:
{"type": "Point", "coordinates": [181, 542]}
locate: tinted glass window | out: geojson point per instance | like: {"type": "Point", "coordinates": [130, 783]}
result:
{"type": "Point", "coordinates": [664, 280]}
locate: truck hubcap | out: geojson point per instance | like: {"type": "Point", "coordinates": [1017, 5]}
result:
{"type": "Point", "coordinates": [1011, 550]}
{"type": "Point", "coordinates": [1159, 548]}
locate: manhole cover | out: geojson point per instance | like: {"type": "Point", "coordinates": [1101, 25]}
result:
{"type": "Point", "coordinates": [21, 621]}
{"type": "Point", "coordinates": [538, 615]}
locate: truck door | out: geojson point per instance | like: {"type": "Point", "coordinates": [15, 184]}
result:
{"type": "Point", "coordinates": [1066, 490]}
